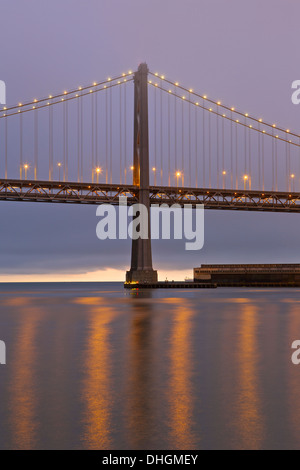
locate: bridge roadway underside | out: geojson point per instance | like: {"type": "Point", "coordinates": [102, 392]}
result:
{"type": "Point", "coordinates": [92, 193]}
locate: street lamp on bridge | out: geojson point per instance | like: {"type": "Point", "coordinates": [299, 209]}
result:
{"type": "Point", "coordinates": [178, 175]}
{"type": "Point", "coordinates": [98, 172]}
{"type": "Point", "coordinates": [247, 178]}
{"type": "Point", "coordinates": [59, 165]}
{"type": "Point", "coordinates": [26, 168]}
{"type": "Point", "coordinates": [293, 183]}
{"type": "Point", "coordinates": [224, 173]}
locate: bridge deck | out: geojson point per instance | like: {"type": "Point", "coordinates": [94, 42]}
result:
{"type": "Point", "coordinates": [88, 193]}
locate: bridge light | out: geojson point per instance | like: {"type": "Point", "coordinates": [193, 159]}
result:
{"type": "Point", "coordinates": [132, 168]}
{"type": "Point", "coordinates": [65, 92]}
{"type": "Point", "coordinates": [288, 131]}
{"type": "Point", "coordinates": [232, 109]}
{"type": "Point", "coordinates": [95, 83]}
{"type": "Point", "coordinates": [176, 84]}
{"type": "Point", "coordinates": [260, 120]}
{"type": "Point", "coordinates": [80, 88]}
{"type": "Point", "coordinates": [162, 77]}
{"type": "Point", "coordinates": [156, 74]}
{"type": "Point", "coordinates": [170, 91]}
{"type": "Point", "coordinates": [50, 96]}
{"type": "Point", "coordinates": [246, 114]}
{"type": "Point", "coordinates": [130, 72]}
{"type": "Point", "coordinates": [191, 90]}
{"type": "Point", "coordinates": [20, 104]}
{"type": "Point", "coordinates": [219, 103]}
{"type": "Point", "coordinates": [274, 125]}
{"type": "Point", "coordinates": [205, 97]}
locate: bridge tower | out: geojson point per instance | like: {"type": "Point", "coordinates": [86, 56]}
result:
{"type": "Point", "coordinates": [141, 255]}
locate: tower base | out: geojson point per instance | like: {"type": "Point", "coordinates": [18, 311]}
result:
{"type": "Point", "coordinates": [142, 276]}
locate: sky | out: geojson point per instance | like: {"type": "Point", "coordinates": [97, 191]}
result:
{"type": "Point", "coordinates": [243, 53]}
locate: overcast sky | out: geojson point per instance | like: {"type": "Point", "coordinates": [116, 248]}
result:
{"type": "Point", "coordinates": [244, 53]}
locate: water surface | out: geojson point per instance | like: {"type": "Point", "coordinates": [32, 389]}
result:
{"type": "Point", "coordinates": [91, 366]}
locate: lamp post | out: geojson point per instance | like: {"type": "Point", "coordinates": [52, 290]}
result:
{"type": "Point", "coordinates": [224, 173]}
{"type": "Point", "coordinates": [154, 171]}
{"type": "Point", "coordinates": [98, 172]}
{"type": "Point", "coordinates": [26, 168]}
{"type": "Point", "coordinates": [178, 175]}
{"type": "Point", "coordinates": [293, 182]}
{"type": "Point", "coordinates": [59, 165]}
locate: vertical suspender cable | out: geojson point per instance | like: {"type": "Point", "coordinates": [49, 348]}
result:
{"type": "Point", "coordinates": [106, 137]}
{"type": "Point", "coordinates": [236, 157]}
{"type": "Point", "coordinates": [203, 144]}
{"type": "Point", "coordinates": [209, 148]}
{"type": "Point", "coordinates": [81, 139]}
{"type": "Point", "coordinates": [50, 141]}
{"type": "Point", "coordinates": [78, 140]}
{"type": "Point", "coordinates": [93, 133]}
{"type": "Point", "coordinates": [21, 145]}
{"type": "Point", "coordinates": [6, 146]}
{"type": "Point", "coordinates": [231, 149]}
{"type": "Point", "coordinates": [125, 131]}
{"type": "Point", "coordinates": [182, 142]}
{"type": "Point", "coordinates": [190, 167]}
{"type": "Point", "coordinates": [155, 136]}
{"type": "Point", "coordinates": [175, 128]}
{"type": "Point", "coordinates": [196, 145]}
{"type": "Point", "coordinates": [121, 146]}
{"type": "Point", "coordinates": [169, 141]}
{"type": "Point", "coordinates": [161, 134]}
{"type": "Point", "coordinates": [36, 144]}
{"type": "Point", "coordinates": [110, 134]}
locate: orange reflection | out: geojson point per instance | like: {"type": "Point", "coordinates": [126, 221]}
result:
{"type": "Point", "coordinates": [249, 408]}
{"type": "Point", "coordinates": [97, 388]}
{"type": "Point", "coordinates": [293, 382]}
{"type": "Point", "coordinates": [23, 398]}
{"type": "Point", "coordinates": [181, 396]}
{"type": "Point", "coordinates": [140, 376]}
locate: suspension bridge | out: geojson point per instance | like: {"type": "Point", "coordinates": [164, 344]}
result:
{"type": "Point", "coordinates": [77, 147]}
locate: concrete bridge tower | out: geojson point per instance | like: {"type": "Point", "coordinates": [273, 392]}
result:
{"type": "Point", "coordinates": [141, 256]}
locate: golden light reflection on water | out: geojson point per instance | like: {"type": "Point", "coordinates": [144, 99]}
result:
{"type": "Point", "coordinates": [140, 375]}
{"type": "Point", "coordinates": [180, 393]}
{"type": "Point", "coordinates": [97, 387]}
{"type": "Point", "coordinates": [250, 426]}
{"type": "Point", "coordinates": [23, 394]}
{"type": "Point", "coordinates": [293, 382]}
